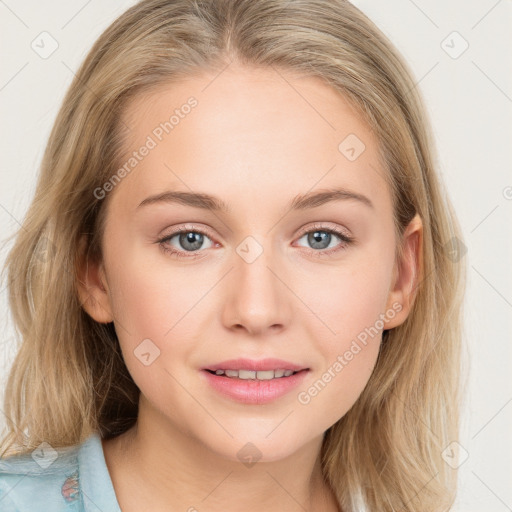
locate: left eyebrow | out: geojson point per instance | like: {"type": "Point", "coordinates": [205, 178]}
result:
{"type": "Point", "coordinates": [194, 199]}
{"type": "Point", "coordinates": [300, 202]}
{"type": "Point", "coordinates": [316, 198]}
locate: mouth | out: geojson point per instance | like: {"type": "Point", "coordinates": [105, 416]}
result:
{"type": "Point", "coordinates": [254, 387]}
{"type": "Point", "coordinates": [252, 369]}
{"type": "Point", "coordinates": [256, 375]}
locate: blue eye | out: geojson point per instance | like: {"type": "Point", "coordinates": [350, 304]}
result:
{"type": "Point", "coordinates": [321, 238]}
{"type": "Point", "coordinates": [192, 240]}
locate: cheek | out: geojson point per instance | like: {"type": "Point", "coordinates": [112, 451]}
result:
{"type": "Point", "coordinates": [158, 311]}
{"type": "Point", "coordinates": [149, 295]}
{"type": "Point", "coordinates": [349, 315]}
{"type": "Point", "coordinates": [345, 300]}
{"type": "Point", "coordinates": [348, 360]}
{"type": "Point", "coordinates": [331, 394]}
{"type": "Point", "coordinates": [337, 313]}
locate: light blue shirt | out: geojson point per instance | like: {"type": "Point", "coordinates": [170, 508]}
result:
{"type": "Point", "coordinates": [71, 479]}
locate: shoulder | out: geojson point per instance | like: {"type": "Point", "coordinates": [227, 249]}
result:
{"type": "Point", "coordinates": [45, 479]}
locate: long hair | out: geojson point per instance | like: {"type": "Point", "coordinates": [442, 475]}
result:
{"type": "Point", "coordinates": [69, 378]}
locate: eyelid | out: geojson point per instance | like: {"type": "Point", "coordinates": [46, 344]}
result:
{"type": "Point", "coordinates": [345, 237]}
{"type": "Point", "coordinates": [189, 227]}
{"type": "Point", "coordinates": [183, 228]}
{"type": "Point", "coordinates": [322, 226]}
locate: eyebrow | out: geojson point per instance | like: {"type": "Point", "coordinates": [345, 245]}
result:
{"type": "Point", "coordinates": [300, 202]}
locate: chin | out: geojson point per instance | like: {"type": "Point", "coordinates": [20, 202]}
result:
{"type": "Point", "coordinates": [250, 448]}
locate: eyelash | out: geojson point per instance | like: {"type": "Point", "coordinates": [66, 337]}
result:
{"type": "Point", "coordinates": [195, 254]}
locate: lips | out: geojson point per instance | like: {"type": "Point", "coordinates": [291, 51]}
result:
{"type": "Point", "coordinates": [255, 365]}
{"type": "Point", "coordinates": [251, 391]}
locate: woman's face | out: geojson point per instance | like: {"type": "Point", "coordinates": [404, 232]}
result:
{"type": "Point", "coordinates": [276, 274]}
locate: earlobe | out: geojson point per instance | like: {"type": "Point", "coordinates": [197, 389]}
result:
{"type": "Point", "coordinates": [93, 291]}
{"type": "Point", "coordinates": [406, 273]}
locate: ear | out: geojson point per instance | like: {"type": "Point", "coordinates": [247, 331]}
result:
{"type": "Point", "coordinates": [93, 288]}
{"type": "Point", "coordinates": [405, 274]}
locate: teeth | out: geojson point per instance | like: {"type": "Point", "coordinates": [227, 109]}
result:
{"type": "Point", "coordinates": [246, 374]}
{"type": "Point", "coordinates": [258, 375]}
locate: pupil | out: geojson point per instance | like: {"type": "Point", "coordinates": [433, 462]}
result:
{"type": "Point", "coordinates": [195, 239]}
{"type": "Point", "coordinates": [317, 239]}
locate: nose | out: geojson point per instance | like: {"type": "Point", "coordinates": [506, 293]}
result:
{"type": "Point", "coordinates": [258, 299]}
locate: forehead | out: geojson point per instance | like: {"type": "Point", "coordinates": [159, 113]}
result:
{"type": "Point", "coordinates": [251, 131]}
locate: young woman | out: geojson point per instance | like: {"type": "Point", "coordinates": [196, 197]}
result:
{"type": "Point", "coordinates": [235, 285]}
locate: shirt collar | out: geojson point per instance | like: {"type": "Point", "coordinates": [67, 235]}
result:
{"type": "Point", "coordinates": [95, 483]}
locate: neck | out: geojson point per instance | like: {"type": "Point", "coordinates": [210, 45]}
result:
{"type": "Point", "coordinates": [155, 466]}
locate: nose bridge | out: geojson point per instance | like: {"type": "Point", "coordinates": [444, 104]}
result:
{"type": "Point", "coordinates": [257, 296]}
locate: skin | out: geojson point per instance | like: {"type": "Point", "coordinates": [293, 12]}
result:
{"type": "Point", "coordinates": [256, 139]}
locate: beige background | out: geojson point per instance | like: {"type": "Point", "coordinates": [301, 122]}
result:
{"type": "Point", "coordinates": [469, 98]}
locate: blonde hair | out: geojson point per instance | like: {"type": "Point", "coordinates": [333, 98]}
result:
{"type": "Point", "coordinates": [69, 378]}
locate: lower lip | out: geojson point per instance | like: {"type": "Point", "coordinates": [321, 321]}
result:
{"type": "Point", "coordinates": [254, 391]}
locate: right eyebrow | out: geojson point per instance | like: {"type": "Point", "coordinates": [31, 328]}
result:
{"type": "Point", "coordinates": [194, 199]}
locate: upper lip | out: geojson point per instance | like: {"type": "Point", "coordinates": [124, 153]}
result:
{"type": "Point", "coordinates": [255, 365]}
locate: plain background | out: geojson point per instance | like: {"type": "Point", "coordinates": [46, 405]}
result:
{"type": "Point", "coordinates": [468, 93]}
